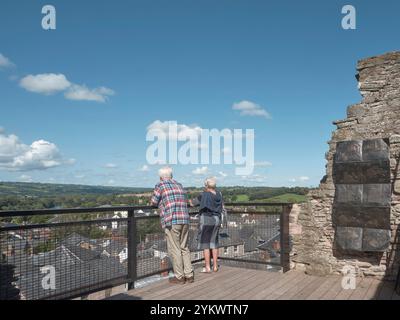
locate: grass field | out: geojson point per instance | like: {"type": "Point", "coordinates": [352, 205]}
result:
{"type": "Point", "coordinates": [288, 197]}
{"type": "Point", "coordinates": [242, 198]}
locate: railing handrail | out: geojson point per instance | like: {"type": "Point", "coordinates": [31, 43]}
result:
{"type": "Point", "coordinates": [131, 221]}
{"type": "Point", "coordinates": [22, 213]}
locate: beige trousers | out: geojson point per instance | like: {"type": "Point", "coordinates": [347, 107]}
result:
{"type": "Point", "coordinates": [178, 250]}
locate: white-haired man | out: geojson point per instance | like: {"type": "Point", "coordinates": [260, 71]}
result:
{"type": "Point", "coordinates": [171, 198]}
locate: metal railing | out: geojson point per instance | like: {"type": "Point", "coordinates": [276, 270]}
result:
{"type": "Point", "coordinates": [75, 252]}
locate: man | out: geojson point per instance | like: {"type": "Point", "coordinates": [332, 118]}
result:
{"type": "Point", "coordinates": [170, 197]}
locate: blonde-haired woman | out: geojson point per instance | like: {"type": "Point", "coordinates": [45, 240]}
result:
{"type": "Point", "coordinates": [210, 202]}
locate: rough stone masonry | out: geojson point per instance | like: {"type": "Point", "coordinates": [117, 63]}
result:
{"type": "Point", "coordinates": [318, 239]}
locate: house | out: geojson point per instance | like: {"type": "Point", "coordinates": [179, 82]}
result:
{"type": "Point", "coordinates": [75, 266]}
{"type": "Point", "coordinates": [117, 248]}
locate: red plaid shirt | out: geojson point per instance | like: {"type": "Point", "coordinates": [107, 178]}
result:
{"type": "Point", "coordinates": [170, 197]}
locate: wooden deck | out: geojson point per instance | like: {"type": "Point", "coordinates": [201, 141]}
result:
{"type": "Point", "coordinates": [244, 284]}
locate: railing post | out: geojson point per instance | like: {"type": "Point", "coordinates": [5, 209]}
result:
{"type": "Point", "coordinates": [132, 249]}
{"type": "Point", "coordinates": [284, 237]}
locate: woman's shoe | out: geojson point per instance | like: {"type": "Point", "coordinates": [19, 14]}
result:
{"type": "Point", "coordinates": [204, 270]}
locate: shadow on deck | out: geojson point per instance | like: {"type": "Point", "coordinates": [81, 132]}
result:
{"type": "Point", "coordinates": [232, 283]}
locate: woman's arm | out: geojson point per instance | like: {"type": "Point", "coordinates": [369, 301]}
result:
{"type": "Point", "coordinates": [195, 202]}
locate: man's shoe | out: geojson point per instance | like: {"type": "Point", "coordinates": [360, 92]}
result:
{"type": "Point", "coordinates": [175, 280]}
{"type": "Point", "coordinates": [190, 279]}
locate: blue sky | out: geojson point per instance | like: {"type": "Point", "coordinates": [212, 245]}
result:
{"type": "Point", "coordinates": [118, 66]}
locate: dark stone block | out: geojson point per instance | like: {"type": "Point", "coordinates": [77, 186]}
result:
{"type": "Point", "coordinates": [375, 217]}
{"type": "Point", "coordinates": [362, 172]}
{"type": "Point", "coordinates": [344, 216]}
{"type": "Point", "coordinates": [376, 149]}
{"type": "Point", "coordinates": [349, 194]}
{"type": "Point", "coordinates": [376, 172]}
{"type": "Point", "coordinates": [376, 239]}
{"type": "Point", "coordinates": [366, 217]}
{"type": "Point", "coordinates": [347, 173]}
{"type": "Point", "coordinates": [348, 151]}
{"type": "Point", "coordinates": [377, 195]}
{"type": "Point", "coordinates": [349, 238]}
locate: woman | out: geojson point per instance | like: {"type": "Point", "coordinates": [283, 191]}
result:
{"type": "Point", "coordinates": [211, 205]}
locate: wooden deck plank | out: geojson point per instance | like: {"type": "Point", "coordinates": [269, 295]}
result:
{"type": "Point", "coordinates": [295, 289]}
{"type": "Point", "coordinates": [174, 291]}
{"type": "Point", "coordinates": [386, 291]}
{"type": "Point", "coordinates": [345, 294]}
{"type": "Point", "coordinates": [238, 283]}
{"type": "Point", "coordinates": [314, 284]}
{"type": "Point", "coordinates": [203, 288]}
{"type": "Point", "coordinates": [323, 288]}
{"type": "Point", "coordinates": [373, 290]}
{"type": "Point", "coordinates": [261, 281]}
{"type": "Point", "coordinates": [227, 289]}
{"type": "Point", "coordinates": [262, 286]}
{"type": "Point", "coordinates": [283, 286]}
{"type": "Point", "coordinates": [333, 290]}
{"type": "Point", "coordinates": [362, 286]}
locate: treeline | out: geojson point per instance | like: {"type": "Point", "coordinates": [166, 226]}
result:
{"type": "Point", "coordinates": [73, 201]}
{"type": "Point", "coordinates": [231, 194]}
{"type": "Point", "coordinates": [50, 189]}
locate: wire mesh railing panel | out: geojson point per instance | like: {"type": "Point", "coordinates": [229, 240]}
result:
{"type": "Point", "coordinates": [62, 259]}
{"type": "Point", "coordinates": [62, 254]}
{"type": "Point", "coordinates": [252, 237]}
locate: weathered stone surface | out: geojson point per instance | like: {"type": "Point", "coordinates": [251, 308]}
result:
{"type": "Point", "coordinates": [362, 172]}
{"type": "Point", "coordinates": [397, 186]}
{"type": "Point", "coordinates": [376, 149]}
{"type": "Point", "coordinates": [377, 116]}
{"type": "Point", "coordinates": [349, 238]}
{"type": "Point", "coordinates": [349, 151]}
{"type": "Point", "coordinates": [375, 239]}
{"type": "Point", "coordinates": [349, 194]}
{"type": "Point", "coordinates": [378, 195]}
{"type": "Point", "coordinates": [366, 217]}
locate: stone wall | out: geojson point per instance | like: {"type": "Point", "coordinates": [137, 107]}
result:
{"type": "Point", "coordinates": [376, 116]}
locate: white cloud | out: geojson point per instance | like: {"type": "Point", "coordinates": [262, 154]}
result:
{"type": "Point", "coordinates": [255, 178]}
{"type": "Point", "coordinates": [248, 108]}
{"type": "Point", "coordinates": [5, 62]}
{"type": "Point", "coordinates": [111, 181]}
{"type": "Point", "coordinates": [46, 83]}
{"type": "Point", "coordinates": [25, 178]}
{"type": "Point", "coordinates": [80, 176]}
{"type": "Point", "coordinates": [144, 168]}
{"type": "Point", "coordinates": [183, 132]}
{"type": "Point", "coordinates": [262, 164]}
{"type": "Point", "coordinates": [200, 171]}
{"type": "Point", "coordinates": [17, 156]}
{"type": "Point", "coordinates": [51, 83]}
{"type": "Point", "coordinates": [83, 93]}
{"type": "Point", "coordinates": [222, 174]}
{"type": "Point", "coordinates": [173, 130]}
{"type": "Point", "coordinates": [110, 166]}
{"type": "Point", "coordinates": [300, 179]}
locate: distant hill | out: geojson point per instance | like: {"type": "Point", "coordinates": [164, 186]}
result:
{"type": "Point", "coordinates": [51, 190]}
